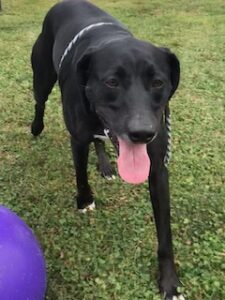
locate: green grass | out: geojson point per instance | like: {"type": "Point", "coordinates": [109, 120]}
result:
{"type": "Point", "coordinates": [110, 254]}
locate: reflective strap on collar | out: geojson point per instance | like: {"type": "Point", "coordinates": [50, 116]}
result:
{"type": "Point", "coordinates": [169, 142]}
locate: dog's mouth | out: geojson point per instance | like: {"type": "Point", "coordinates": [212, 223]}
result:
{"type": "Point", "coordinates": [133, 161]}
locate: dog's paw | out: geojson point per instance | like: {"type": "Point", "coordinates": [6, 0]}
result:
{"type": "Point", "coordinates": [88, 208]}
{"type": "Point", "coordinates": [37, 128]}
{"type": "Point", "coordinates": [175, 294]}
{"type": "Point", "coordinates": [106, 171]}
{"type": "Point", "coordinates": [112, 177]}
{"type": "Point", "coordinates": [177, 297]}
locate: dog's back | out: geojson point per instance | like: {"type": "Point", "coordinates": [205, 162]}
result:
{"type": "Point", "coordinates": [66, 19]}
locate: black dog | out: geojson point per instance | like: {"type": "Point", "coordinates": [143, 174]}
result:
{"type": "Point", "coordinates": [116, 84]}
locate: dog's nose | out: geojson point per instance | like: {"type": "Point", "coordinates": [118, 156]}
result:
{"type": "Point", "coordinates": [142, 136]}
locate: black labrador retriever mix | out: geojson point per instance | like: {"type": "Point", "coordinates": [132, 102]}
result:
{"type": "Point", "coordinates": [111, 84]}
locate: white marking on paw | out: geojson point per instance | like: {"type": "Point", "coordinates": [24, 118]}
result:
{"type": "Point", "coordinates": [112, 177]}
{"type": "Point", "coordinates": [90, 207]}
{"type": "Point", "coordinates": [180, 297]}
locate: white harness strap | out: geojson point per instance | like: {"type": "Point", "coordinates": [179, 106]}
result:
{"type": "Point", "coordinates": [101, 137]}
{"type": "Point", "coordinates": [78, 36]}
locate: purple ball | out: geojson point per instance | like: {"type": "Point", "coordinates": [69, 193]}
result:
{"type": "Point", "coordinates": [22, 265]}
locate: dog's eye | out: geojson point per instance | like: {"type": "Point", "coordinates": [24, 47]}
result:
{"type": "Point", "coordinates": [112, 82]}
{"type": "Point", "coordinates": [157, 83]}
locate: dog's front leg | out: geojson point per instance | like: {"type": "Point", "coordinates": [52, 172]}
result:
{"type": "Point", "coordinates": [84, 195]}
{"type": "Point", "coordinates": [159, 191]}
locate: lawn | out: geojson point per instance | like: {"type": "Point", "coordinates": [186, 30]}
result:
{"type": "Point", "coordinates": [111, 253]}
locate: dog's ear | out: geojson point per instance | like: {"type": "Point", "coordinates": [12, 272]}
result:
{"type": "Point", "coordinates": [174, 69]}
{"type": "Point", "coordinates": [76, 66]}
{"type": "Point", "coordinates": [82, 72]}
{"type": "Point", "coordinates": [82, 66]}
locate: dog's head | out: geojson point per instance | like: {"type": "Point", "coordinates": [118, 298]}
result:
{"type": "Point", "coordinates": [128, 84]}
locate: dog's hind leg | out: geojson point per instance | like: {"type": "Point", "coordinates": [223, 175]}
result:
{"type": "Point", "coordinates": [44, 78]}
{"type": "Point", "coordinates": [85, 199]}
{"type": "Point", "coordinates": [104, 166]}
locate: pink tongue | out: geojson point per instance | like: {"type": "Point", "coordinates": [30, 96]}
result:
{"type": "Point", "coordinates": [133, 162]}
